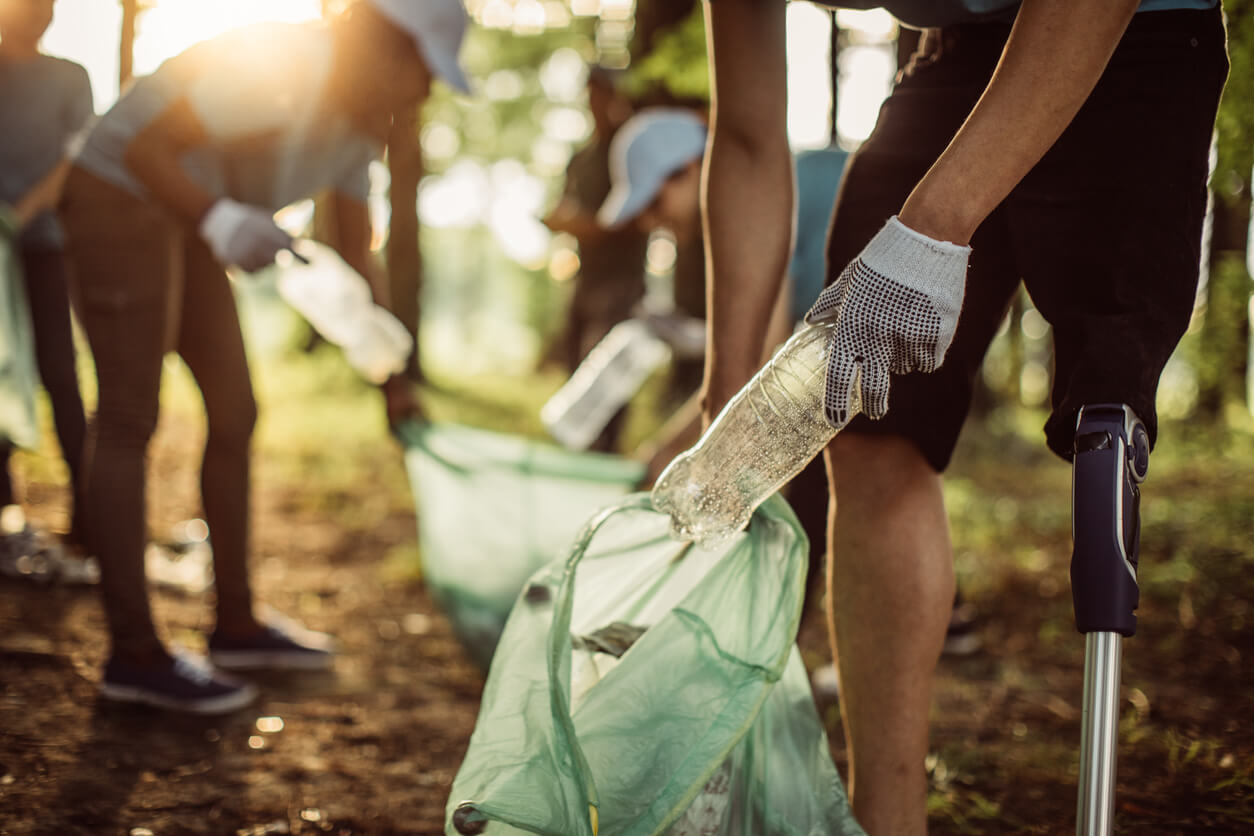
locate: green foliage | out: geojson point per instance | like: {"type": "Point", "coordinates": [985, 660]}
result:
{"type": "Point", "coordinates": [1220, 353]}
{"type": "Point", "coordinates": [505, 116]}
{"type": "Point", "coordinates": [1235, 122]}
{"type": "Point", "coordinates": [677, 64]}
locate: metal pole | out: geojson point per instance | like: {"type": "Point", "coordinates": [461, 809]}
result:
{"type": "Point", "coordinates": [1111, 460]}
{"type": "Point", "coordinates": [1099, 736]}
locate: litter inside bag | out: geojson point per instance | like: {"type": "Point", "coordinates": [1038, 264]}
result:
{"type": "Point", "coordinates": [494, 508]}
{"type": "Point", "coordinates": [645, 686]}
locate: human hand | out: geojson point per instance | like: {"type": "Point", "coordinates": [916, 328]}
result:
{"type": "Point", "coordinates": [896, 308]}
{"type": "Point", "coordinates": [399, 401]}
{"type": "Point", "coordinates": [245, 236]}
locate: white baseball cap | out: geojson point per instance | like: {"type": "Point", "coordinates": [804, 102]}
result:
{"type": "Point", "coordinates": [648, 149]}
{"type": "Point", "coordinates": [437, 27]}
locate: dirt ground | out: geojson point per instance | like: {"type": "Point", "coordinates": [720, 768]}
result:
{"type": "Point", "coordinates": [373, 747]}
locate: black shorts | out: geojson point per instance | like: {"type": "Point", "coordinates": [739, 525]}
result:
{"type": "Point", "coordinates": [1105, 231]}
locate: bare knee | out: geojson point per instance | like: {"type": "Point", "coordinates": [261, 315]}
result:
{"type": "Point", "coordinates": [878, 471]}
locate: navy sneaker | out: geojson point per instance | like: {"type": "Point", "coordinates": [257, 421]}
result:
{"type": "Point", "coordinates": [187, 684]}
{"type": "Point", "coordinates": [281, 645]}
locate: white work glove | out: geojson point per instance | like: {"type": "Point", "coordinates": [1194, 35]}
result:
{"type": "Point", "coordinates": [895, 308]}
{"type": "Point", "coordinates": [242, 235]}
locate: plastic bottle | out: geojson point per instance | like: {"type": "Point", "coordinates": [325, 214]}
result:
{"type": "Point", "coordinates": [336, 301]}
{"type": "Point", "coordinates": [764, 436]}
{"type": "Point", "coordinates": [607, 378]}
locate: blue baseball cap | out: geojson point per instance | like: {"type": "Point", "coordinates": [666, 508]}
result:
{"type": "Point", "coordinates": [437, 27]}
{"type": "Point", "coordinates": [646, 151]}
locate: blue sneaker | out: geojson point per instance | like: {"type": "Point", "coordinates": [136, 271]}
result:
{"type": "Point", "coordinates": [284, 645]}
{"type": "Point", "coordinates": [187, 684]}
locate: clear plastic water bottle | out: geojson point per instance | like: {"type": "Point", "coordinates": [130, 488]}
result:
{"type": "Point", "coordinates": [605, 381]}
{"type": "Point", "coordinates": [336, 301]}
{"type": "Point", "coordinates": [763, 438]}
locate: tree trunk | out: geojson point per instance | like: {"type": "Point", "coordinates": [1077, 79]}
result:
{"type": "Point", "coordinates": [404, 259]}
{"type": "Point", "coordinates": [126, 49]}
{"type": "Point", "coordinates": [1225, 329]}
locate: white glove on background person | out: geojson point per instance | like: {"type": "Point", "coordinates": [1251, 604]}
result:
{"type": "Point", "coordinates": [895, 308]}
{"type": "Point", "coordinates": [245, 236]}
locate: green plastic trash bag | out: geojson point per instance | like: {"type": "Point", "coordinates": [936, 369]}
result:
{"type": "Point", "coordinates": [18, 376]}
{"type": "Point", "coordinates": [645, 686]}
{"type": "Point", "coordinates": [494, 508]}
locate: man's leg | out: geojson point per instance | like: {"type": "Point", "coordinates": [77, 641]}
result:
{"type": "Point", "coordinates": [890, 591]}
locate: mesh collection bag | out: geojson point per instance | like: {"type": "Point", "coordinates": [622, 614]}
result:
{"type": "Point", "coordinates": [645, 686]}
{"type": "Point", "coordinates": [492, 509]}
{"type": "Point", "coordinates": [18, 376]}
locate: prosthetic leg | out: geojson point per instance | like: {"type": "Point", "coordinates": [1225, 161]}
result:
{"type": "Point", "coordinates": [1111, 460]}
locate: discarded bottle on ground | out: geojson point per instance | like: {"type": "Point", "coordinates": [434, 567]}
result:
{"type": "Point", "coordinates": [764, 436]}
{"type": "Point", "coordinates": [605, 381]}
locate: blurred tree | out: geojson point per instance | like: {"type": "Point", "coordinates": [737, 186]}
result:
{"type": "Point", "coordinates": [126, 47]}
{"type": "Point", "coordinates": [675, 67]}
{"type": "Point", "coordinates": [527, 116]}
{"type": "Point", "coordinates": [654, 17]}
{"type": "Point", "coordinates": [1222, 354]}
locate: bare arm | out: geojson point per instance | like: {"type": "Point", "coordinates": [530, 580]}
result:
{"type": "Point", "coordinates": [43, 195]}
{"type": "Point", "coordinates": [747, 186]}
{"type": "Point", "coordinates": [569, 217]}
{"type": "Point", "coordinates": [1057, 51]}
{"type": "Point", "coordinates": [153, 157]}
{"type": "Point", "coordinates": [352, 223]}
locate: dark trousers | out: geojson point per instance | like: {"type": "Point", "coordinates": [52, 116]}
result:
{"type": "Point", "coordinates": [1105, 231]}
{"type": "Point", "coordinates": [145, 285]}
{"type": "Point", "coordinates": [48, 296]}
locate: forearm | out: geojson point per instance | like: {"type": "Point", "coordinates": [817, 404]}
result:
{"type": "Point", "coordinates": [43, 195]}
{"type": "Point", "coordinates": [153, 157]}
{"type": "Point", "coordinates": [364, 263]}
{"type": "Point", "coordinates": [747, 190]}
{"type": "Point", "coordinates": [158, 169]}
{"type": "Point", "coordinates": [352, 241]}
{"type": "Point", "coordinates": [569, 218]}
{"type": "Point", "coordinates": [1054, 57]}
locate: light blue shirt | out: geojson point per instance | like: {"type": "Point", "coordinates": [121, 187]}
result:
{"type": "Point", "coordinates": [818, 180]}
{"type": "Point", "coordinates": [45, 103]}
{"type": "Point", "coordinates": [259, 92]}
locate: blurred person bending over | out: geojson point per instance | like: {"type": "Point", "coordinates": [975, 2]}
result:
{"type": "Point", "coordinates": [1061, 142]}
{"type": "Point", "coordinates": [45, 105]}
{"type": "Point", "coordinates": [176, 182]}
{"type": "Point", "coordinates": [610, 281]}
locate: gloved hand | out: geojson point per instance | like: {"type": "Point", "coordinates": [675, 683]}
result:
{"type": "Point", "coordinates": [895, 308]}
{"type": "Point", "coordinates": [242, 235]}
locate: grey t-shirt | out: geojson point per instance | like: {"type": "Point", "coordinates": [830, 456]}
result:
{"type": "Point", "coordinates": [260, 92]}
{"type": "Point", "coordinates": [45, 103]}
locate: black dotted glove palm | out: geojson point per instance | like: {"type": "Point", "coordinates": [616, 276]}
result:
{"type": "Point", "coordinates": [895, 308]}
